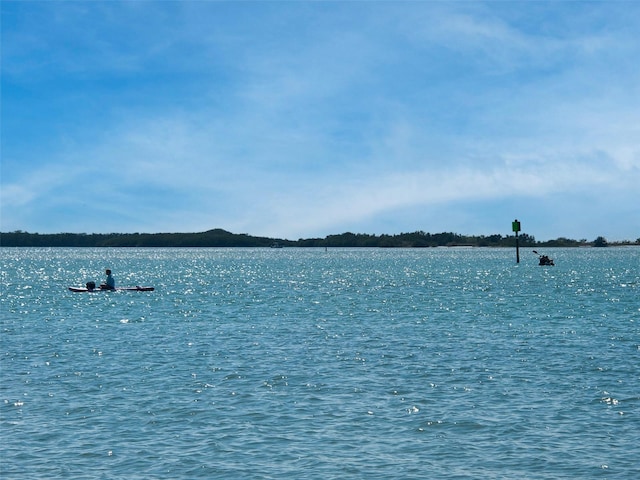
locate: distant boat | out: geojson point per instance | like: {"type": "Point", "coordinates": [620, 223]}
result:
{"type": "Point", "coordinates": [91, 287]}
{"type": "Point", "coordinates": [276, 245]}
{"type": "Point", "coordinates": [545, 261]}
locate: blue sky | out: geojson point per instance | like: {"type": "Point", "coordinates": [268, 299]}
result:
{"type": "Point", "coordinates": [305, 119]}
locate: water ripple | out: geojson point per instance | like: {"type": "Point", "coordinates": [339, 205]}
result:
{"type": "Point", "coordinates": [301, 363]}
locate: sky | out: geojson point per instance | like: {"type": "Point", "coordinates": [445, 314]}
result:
{"type": "Point", "coordinates": [300, 119]}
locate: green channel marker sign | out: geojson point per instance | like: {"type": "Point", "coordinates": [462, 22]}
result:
{"type": "Point", "coordinates": [515, 226]}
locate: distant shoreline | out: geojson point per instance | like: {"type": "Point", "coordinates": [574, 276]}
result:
{"type": "Point", "coordinates": [222, 238]}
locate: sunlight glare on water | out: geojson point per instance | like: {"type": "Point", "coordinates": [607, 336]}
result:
{"type": "Point", "coordinates": [306, 363]}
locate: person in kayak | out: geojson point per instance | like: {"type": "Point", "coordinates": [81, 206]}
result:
{"type": "Point", "coordinates": [110, 283]}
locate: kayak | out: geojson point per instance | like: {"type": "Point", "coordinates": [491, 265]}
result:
{"type": "Point", "coordinates": [546, 261]}
{"type": "Point", "coordinates": [117, 289]}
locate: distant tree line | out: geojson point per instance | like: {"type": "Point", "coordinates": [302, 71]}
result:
{"type": "Point", "coordinates": [223, 238]}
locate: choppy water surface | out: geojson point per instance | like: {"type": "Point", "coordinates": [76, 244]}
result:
{"type": "Point", "coordinates": [305, 363]}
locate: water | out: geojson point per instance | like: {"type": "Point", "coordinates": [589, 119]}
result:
{"type": "Point", "coordinates": [306, 363]}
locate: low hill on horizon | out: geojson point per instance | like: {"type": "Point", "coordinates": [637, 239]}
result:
{"type": "Point", "coordinates": [218, 237]}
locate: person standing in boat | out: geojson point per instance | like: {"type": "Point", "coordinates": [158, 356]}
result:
{"type": "Point", "coordinates": [110, 283]}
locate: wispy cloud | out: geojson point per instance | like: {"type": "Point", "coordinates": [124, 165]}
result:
{"type": "Point", "coordinates": [308, 119]}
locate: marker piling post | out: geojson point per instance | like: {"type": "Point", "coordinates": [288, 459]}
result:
{"type": "Point", "coordinates": [515, 226]}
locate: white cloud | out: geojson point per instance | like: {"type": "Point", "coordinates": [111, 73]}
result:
{"type": "Point", "coordinates": [310, 119]}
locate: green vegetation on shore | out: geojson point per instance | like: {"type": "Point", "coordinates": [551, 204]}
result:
{"type": "Point", "coordinates": [223, 238]}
